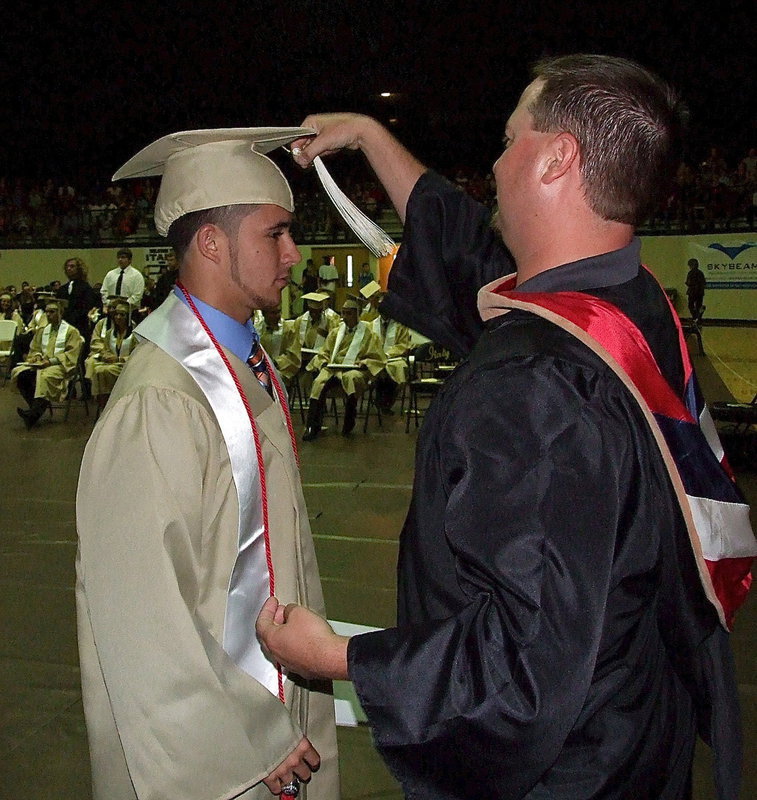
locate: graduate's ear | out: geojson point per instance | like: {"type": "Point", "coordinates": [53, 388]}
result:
{"type": "Point", "coordinates": [211, 242]}
{"type": "Point", "coordinates": [563, 154]}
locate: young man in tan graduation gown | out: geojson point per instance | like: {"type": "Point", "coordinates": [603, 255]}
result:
{"type": "Point", "coordinates": [355, 347]}
{"type": "Point", "coordinates": [180, 701]}
{"type": "Point", "coordinates": [50, 364]}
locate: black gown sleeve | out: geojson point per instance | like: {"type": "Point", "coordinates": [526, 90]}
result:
{"type": "Point", "coordinates": [449, 251]}
{"type": "Point", "coordinates": [536, 483]}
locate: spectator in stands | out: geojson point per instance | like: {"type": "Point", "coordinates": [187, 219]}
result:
{"type": "Point", "coordinates": [117, 345]}
{"type": "Point", "coordinates": [79, 296]}
{"type": "Point", "coordinates": [280, 340]}
{"type": "Point", "coordinates": [124, 280]}
{"type": "Point", "coordinates": [51, 363]}
{"type": "Point", "coordinates": [696, 283]}
{"type": "Point", "coordinates": [351, 354]}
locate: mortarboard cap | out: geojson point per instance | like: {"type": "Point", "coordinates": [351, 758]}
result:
{"type": "Point", "coordinates": [60, 302]}
{"type": "Point", "coordinates": [370, 289]}
{"type": "Point", "coordinates": [213, 168]}
{"type": "Point", "coordinates": [315, 297]}
{"type": "Point", "coordinates": [352, 302]}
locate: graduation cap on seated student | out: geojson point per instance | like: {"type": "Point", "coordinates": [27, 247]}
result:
{"type": "Point", "coordinates": [370, 290]}
{"type": "Point", "coordinates": [317, 299]}
{"type": "Point", "coordinates": [353, 301]}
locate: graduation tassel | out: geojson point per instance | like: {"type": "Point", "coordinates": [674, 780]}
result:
{"type": "Point", "coordinates": [370, 234]}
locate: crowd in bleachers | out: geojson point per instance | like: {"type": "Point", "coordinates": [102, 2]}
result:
{"type": "Point", "coordinates": [709, 195]}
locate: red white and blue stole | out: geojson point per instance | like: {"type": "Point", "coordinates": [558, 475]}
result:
{"type": "Point", "coordinates": [716, 515]}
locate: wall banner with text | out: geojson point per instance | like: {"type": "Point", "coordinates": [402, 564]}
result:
{"type": "Point", "coordinates": [728, 261]}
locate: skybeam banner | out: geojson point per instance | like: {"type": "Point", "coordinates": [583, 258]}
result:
{"type": "Point", "coordinates": [729, 261]}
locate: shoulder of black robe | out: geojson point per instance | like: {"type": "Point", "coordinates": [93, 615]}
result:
{"type": "Point", "coordinates": [542, 529]}
{"type": "Point", "coordinates": [449, 251]}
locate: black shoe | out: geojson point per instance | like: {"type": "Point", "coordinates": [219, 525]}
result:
{"type": "Point", "coordinates": [350, 415]}
{"type": "Point", "coordinates": [310, 434]}
{"type": "Point", "coordinates": [27, 416]}
{"type": "Point", "coordinates": [314, 421]}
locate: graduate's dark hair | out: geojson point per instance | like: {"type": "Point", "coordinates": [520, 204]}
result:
{"type": "Point", "coordinates": [628, 123]}
{"type": "Point", "coordinates": [227, 218]}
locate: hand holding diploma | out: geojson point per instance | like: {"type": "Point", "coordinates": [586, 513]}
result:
{"type": "Point", "coordinates": [302, 641]}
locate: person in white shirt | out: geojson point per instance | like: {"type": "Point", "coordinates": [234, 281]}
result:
{"type": "Point", "coordinates": [124, 281]}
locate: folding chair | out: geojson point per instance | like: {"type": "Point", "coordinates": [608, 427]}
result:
{"type": "Point", "coordinates": [429, 366]}
{"type": "Point", "coordinates": [8, 331]}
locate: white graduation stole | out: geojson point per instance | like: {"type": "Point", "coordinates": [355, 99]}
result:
{"type": "Point", "coordinates": [391, 332]}
{"type": "Point", "coordinates": [350, 357]}
{"type": "Point", "coordinates": [174, 328]}
{"type": "Point", "coordinates": [319, 338]}
{"type": "Point", "coordinates": [127, 343]}
{"type": "Point", "coordinates": [274, 343]}
{"type": "Point", "coordinates": [60, 339]}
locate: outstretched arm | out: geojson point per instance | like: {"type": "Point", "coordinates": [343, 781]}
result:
{"type": "Point", "coordinates": [396, 168]}
{"type": "Point", "coordinates": [302, 641]}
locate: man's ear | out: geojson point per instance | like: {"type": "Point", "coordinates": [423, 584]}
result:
{"type": "Point", "coordinates": [211, 242]}
{"type": "Point", "coordinates": [563, 153]}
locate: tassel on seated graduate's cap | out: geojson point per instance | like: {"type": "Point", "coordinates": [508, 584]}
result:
{"type": "Point", "coordinates": [213, 168]}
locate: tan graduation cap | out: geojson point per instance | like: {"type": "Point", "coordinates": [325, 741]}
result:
{"type": "Point", "coordinates": [352, 302]}
{"type": "Point", "coordinates": [213, 168]}
{"type": "Point", "coordinates": [315, 297]}
{"type": "Point", "coordinates": [370, 289]}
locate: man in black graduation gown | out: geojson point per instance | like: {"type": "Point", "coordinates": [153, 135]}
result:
{"type": "Point", "coordinates": [553, 637]}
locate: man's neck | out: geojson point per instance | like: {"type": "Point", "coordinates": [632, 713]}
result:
{"type": "Point", "coordinates": [554, 251]}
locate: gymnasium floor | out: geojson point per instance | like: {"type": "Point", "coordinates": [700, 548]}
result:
{"type": "Point", "coordinates": [357, 492]}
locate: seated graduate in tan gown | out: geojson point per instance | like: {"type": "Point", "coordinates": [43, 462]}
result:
{"type": "Point", "coordinates": [349, 358]}
{"type": "Point", "coordinates": [179, 698]}
{"type": "Point", "coordinates": [280, 341]}
{"type": "Point", "coordinates": [49, 366]}
{"type": "Point", "coordinates": [371, 294]}
{"type": "Point", "coordinates": [396, 342]}
{"type": "Point", "coordinates": [117, 346]}
{"type": "Point", "coordinates": [100, 332]}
